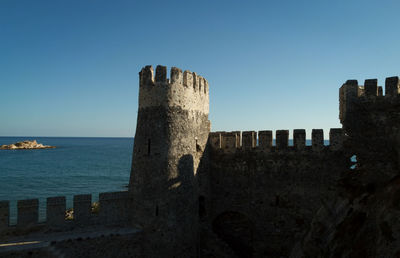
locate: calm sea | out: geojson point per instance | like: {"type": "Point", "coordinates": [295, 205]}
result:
{"type": "Point", "coordinates": [76, 166]}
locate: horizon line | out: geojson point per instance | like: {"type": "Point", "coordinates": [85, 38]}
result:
{"type": "Point", "coordinates": [290, 139]}
{"type": "Point", "coordinates": [68, 136]}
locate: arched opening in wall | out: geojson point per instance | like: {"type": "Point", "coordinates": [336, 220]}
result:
{"type": "Point", "coordinates": [237, 231]}
{"type": "Point", "coordinates": [202, 207]}
{"type": "Point", "coordinates": [353, 161]}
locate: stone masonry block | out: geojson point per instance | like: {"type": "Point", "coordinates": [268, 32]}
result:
{"type": "Point", "coordinates": [282, 139]}
{"type": "Point", "coordinates": [299, 139]}
{"type": "Point", "coordinates": [392, 86]}
{"type": "Point", "coordinates": [176, 75]}
{"type": "Point", "coordinates": [55, 211]}
{"type": "Point", "coordinates": [249, 140]}
{"type": "Point", "coordinates": [336, 138]}
{"type": "Point", "coordinates": [188, 79]}
{"type": "Point", "coordinates": [238, 138]}
{"type": "Point", "coordinates": [161, 74]}
{"type": "Point", "coordinates": [215, 140]}
{"type": "Point", "coordinates": [114, 207]}
{"type": "Point", "coordinates": [348, 94]}
{"type": "Point", "coordinates": [200, 85]}
{"type": "Point", "coordinates": [229, 141]}
{"type": "Point", "coordinates": [28, 212]}
{"type": "Point", "coordinates": [205, 86]}
{"type": "Point", "coordinates": [146, 76]}
{"type": "Point", "coordinates": [82, 208]}
{"type": "Point", "coordinates": [352, 82]}
{"type": "Point", "coordinates": [317, 138]}
{"type": "Point", "coordinates": [4, 214]}
{"type": "Point", "coordinates": [195, 81]}
{"type": "Point", "coordinates": [265, 140]}
{"type": "Point", "coordinates": [371, 87]}
{"type": "Point", "coordinates": [351, 89]}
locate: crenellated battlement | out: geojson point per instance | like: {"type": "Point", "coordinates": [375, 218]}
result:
{"type": "Point", "coordinates": [113, 210]}
{"type": "Point", "coordinates": [230, 142]}
{"type": "Point", "coordinates": [351, 94]}
{"type": "Point", "coordinates": [186, 90]}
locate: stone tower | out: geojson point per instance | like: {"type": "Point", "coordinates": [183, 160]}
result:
{"type": "Point", "coordinates": [171, 136]}
{"type": "Point", "coordinates": [371, 122]}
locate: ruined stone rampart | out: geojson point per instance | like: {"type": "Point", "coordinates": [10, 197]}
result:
{"type": "Point", "coordinates": [361, 219]}
{"type": "Point", "coordinates": [113, 210]}
{"type": "Point", "coordinates": [248, 140]}
{"type": "Point", "coordinates": [276, 189]}
{"type": "Point", "coordinates": [371, 121]}
{"type": "Point", "coordinates": [352, 95]}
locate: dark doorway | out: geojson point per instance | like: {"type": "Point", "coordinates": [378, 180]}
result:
{"type": "Point", "coordinates": [237, 231]}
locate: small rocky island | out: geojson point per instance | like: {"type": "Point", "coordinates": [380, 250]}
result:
{"type": "Point", "coordinates": [25, 145]}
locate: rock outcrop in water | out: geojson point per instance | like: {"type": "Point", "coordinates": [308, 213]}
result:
{"type": "Point", "coordinates": [25, 145]}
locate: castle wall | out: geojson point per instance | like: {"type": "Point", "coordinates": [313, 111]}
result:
{"type": "Point", "coordinates": [82, 208]}
{"type": "Point", "coordinates": [371, 121]}
{"type": "Point", "coordinates": [114, 208]}
{"type": "Point", "coordinates": [4, 214]}
{"type": "Point", "coordinates": [55, 212]}
{"type": "Point", "coordinates": [278, 188]}
{"type": "Point", "coordinates": [364, 212]}
{"type": "Point", "coordinates": [28, 212]}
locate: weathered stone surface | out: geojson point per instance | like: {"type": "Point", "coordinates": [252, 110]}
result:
{"type": "Point", "coordinates": [265, 140]}
{"type": "Point", "coordinates": [273, 194]}
{"type": "Point", "coordinates": [28, 212]}
{"type": "Point", "coordinates": [114, 208]}
{"type": "Point", "coordinates": [362, 218]}
{"type": "Point", "coordinates": [82, 209]}
{"type": "Point", "coordinates": [55, 211]}
{"type": "Point", "coordinates": [282, 139]}
{"type": "Point", "coordinates": [171, 136]}
{"type": "Point", "coordinates": [25, 145]}
{"type": "Point", "coordinates": [317, 139]}
{"type": "Point", "coordinates": [4, 214]}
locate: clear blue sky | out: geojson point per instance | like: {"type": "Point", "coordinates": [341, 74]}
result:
{"type": "Point", "coordinates": [70, 68]}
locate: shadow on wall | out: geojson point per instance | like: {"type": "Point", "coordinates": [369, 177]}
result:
{"type": "Point", "coordinates": [181, 210]}
{"type": "Point", "coordinates": [189, 205]}
{"type": "Point", "coordinates": [184, 182]}
{"type": "Point", "coordinates": [237, 231]}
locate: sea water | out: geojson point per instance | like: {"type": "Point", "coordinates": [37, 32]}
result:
{"type": "Point", "coordinates": [75, 166]}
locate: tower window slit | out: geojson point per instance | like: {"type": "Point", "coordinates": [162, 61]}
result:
{"type": "Point", "coordinates": [202, 206]}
